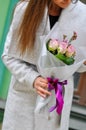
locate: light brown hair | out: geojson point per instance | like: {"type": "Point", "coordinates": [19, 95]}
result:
{"type": "Point", "coordinates": [30, 23]}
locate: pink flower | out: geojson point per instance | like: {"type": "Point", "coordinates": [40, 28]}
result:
{"type": "Point", "coordinates": [70, 51]}
{"type": "Point", "coordinates": [53, 44]}
{"type": "Point", "coordinates": [63, 50]}
{"type": "Point", "coordinates": [62, 47]}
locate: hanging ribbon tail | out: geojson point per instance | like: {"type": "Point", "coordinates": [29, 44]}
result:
{"type": "Point", "coordinates": [52, 108]}
{"type": "Point", "coordinates": [58, 87]}
{"type": "Point", "coordinates": [59, 108]}
{"type": "Point", "coordinates": [59, 99]}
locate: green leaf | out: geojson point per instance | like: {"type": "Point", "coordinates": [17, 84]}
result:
{"type": "Point", "coordinates": [47, 44]}
{"type": "Point", "coordinates": [66, 60]}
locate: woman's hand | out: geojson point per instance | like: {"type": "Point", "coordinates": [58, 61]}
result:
{"type": "Point", "coordinates": [41, 86]}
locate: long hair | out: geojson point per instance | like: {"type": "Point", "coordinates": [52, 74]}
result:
{"type": "Point", "coordinates": [31, 20]}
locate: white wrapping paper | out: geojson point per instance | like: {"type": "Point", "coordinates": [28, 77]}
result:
{"type": "Point", "coordinates": [48, 66]}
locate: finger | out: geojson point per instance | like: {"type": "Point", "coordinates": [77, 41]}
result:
{"type": "Point", "coordinates": [41, 94]}
{"type": "Point", "coordinates": [43, 85]}
{"type": "Point", "coordinates": [43, 80]}
{"type": "Point", "coordinates": [46, 92]}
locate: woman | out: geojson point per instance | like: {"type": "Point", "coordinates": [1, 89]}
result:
{"type": "Point", "coordinates": [32, 20]}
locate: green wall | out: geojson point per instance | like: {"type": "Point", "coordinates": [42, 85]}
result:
{"type": "Point", "coordinates": [6, 10]}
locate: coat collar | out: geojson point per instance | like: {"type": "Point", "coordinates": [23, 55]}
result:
{"type": "Point", "coordinates": [67, 11]}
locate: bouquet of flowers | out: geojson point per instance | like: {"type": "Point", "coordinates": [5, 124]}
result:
{"type": "Point", "coordinates": [58, 61]}
{"type": "Point", "coordinates": [63, 50]}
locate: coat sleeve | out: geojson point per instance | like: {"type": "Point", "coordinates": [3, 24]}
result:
{"type": "Point", "coordinates": [82, 68]}
{"type": "Point", "coordinates": [24, 72]}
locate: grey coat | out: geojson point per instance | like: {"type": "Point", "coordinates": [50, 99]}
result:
{"type": "Point", "coordinates": [21, 101]}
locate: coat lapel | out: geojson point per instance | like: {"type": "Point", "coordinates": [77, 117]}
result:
{"type": "Point", "coordinates": [69, 21]}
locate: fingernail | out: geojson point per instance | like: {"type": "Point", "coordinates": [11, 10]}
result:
{"type": "Point", "coordinates": [44, 96]}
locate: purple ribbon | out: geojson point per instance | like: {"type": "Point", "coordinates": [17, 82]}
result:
{"type": "Point", "coordinates": [54, 84]}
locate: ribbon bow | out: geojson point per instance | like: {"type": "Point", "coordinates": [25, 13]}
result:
{"type": "Point", "coordinates": [54, 84]}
